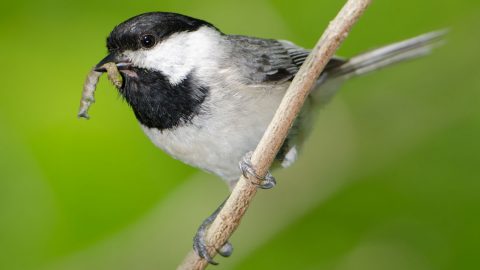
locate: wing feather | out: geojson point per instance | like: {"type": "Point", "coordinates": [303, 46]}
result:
{"type": "Point", "coordinates": [263, 61]}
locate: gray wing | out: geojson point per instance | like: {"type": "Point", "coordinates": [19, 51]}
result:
{"type": "Point", "coordinates": [269, 60]}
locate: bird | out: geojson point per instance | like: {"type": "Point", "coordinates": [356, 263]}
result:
{"type": "Point", "coordinates": [206, 97]}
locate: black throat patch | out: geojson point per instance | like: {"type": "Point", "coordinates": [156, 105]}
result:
{"type": "Point", "coordinates": [159, 104]}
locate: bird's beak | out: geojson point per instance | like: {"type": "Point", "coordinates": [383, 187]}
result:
{"type": "Point", "coordinates": [121, 62]}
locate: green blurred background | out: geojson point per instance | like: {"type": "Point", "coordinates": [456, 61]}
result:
{"type": "Point", "coordinates": [389, 179]}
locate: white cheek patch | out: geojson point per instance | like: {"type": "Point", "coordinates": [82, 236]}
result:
{"type": "Point", "coordinates": [178, 55]}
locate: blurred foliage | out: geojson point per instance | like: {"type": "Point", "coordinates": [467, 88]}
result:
{"type": "Point", "coordinates": [388, 180]}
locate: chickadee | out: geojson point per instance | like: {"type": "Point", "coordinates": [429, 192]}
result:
{"type": "Point", "coordinates": [206, 97]}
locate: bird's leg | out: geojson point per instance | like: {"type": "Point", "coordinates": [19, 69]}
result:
{"type": "Point", "coordinates": [266, 182]}
{"type": "Point", "coordinates": [199, 244]}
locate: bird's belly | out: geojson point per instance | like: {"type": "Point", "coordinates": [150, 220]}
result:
{"type": "Point", "coordinates": [218, 139]}
{"type": "Point", "coordinates": [217, 150]}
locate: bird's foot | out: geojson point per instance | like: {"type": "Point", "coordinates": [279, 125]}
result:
{"type": "Point", "coordinates": [266, 182]}
{"type": "Point", "coordinates": [200, 245]}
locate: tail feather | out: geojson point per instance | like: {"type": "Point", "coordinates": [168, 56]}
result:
{"type": "Point", "coordinates": [388, 55]}
{"type": "Point", "coordinates": [329, 83]}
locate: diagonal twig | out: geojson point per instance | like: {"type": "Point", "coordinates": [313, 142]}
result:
{"type": "Point", "coordinates": [229, 217]}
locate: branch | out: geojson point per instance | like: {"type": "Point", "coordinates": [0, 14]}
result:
{"type": "Point", "coordinates": [229, 217]}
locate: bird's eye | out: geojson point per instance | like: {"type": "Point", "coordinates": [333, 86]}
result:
{"type": "Point", "coordinates": [147, 41]}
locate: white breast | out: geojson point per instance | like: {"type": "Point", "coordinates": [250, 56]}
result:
{"type": "Point", "coordinates": [217, 140]}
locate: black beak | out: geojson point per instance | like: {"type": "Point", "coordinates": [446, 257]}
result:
{"type": "Point", "coordinates": [121, 62]}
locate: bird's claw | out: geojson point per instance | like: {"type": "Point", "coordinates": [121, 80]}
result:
{"type": "Point", "coordinates": [266, 182]}
{"type": "Point", "coordinates": [226, 250]}
{"type": "Point", "coordinates": [200, 245]}
{"type": "Point", "coordinates": [201, 249]}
